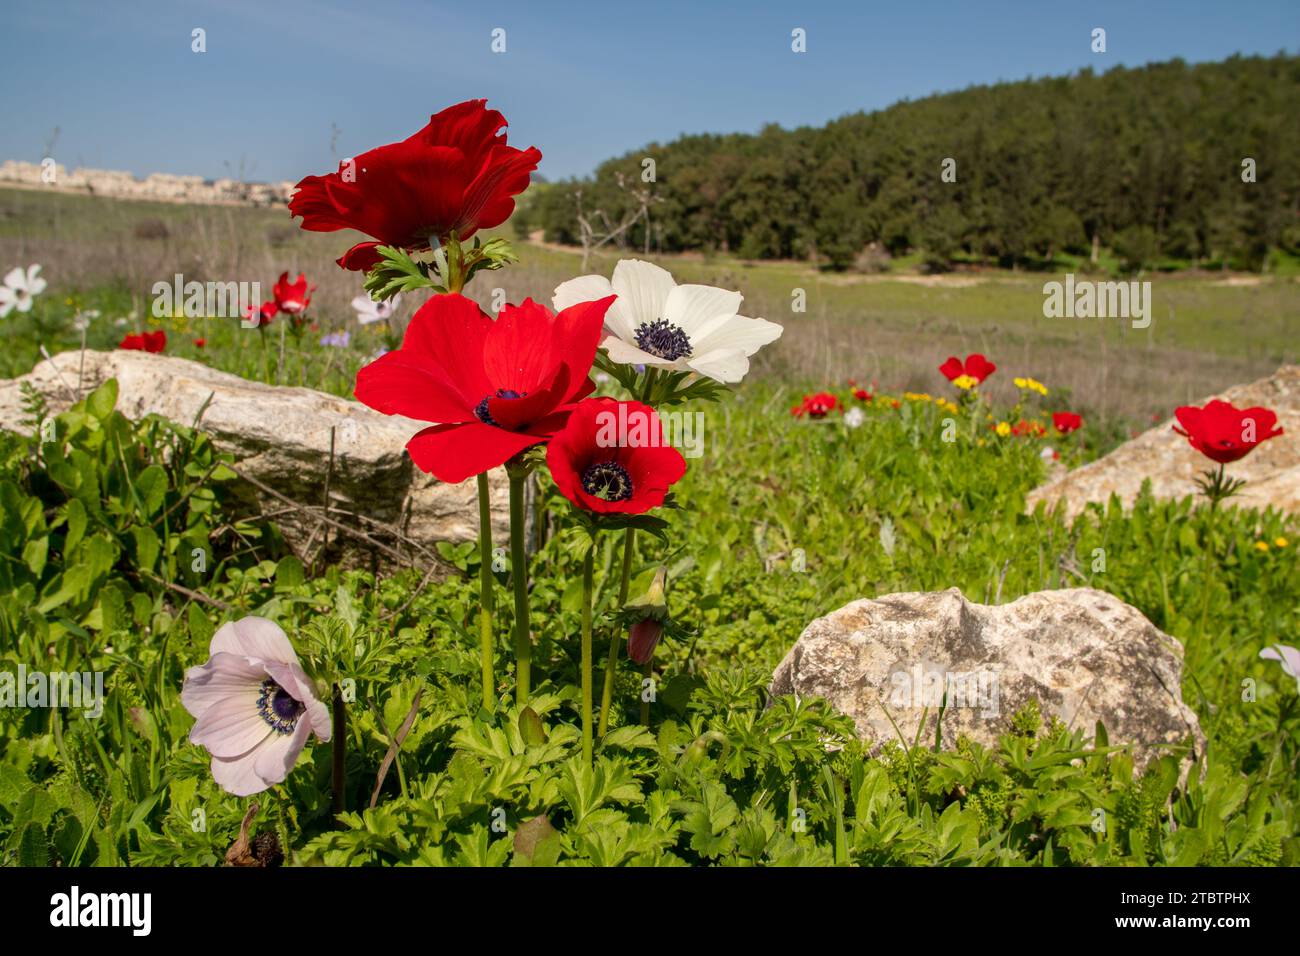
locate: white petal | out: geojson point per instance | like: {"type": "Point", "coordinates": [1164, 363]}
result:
{"type": "Point", "coordinates": [25, 303]}
{"type": "Point", "coordinates": [15, 278]}
{"type": "Point", "coordinates": [739, 332]}
{"type": "Point", "coordinates": [276, 757]}
{"type": "Point", "coordinates": [618, 320]}
{"type": "Point", "coordinates": [231, 727]}
{"type": "Point", "coordinates": [581, 289]}
{"type": "Point", "coordinates": [238, 776]}
{"type": "Point", "coordinates": [222, 677]}
{"type": "Point", "coordinates": [689, 307]}
{"type": "Point", "coordinates": [643, 289]}
{"type": "Point", "coordinates": [723, 365]}
{"type": "Point", "coordinates": [253, 637]}
{"type": "Point", "coordinates": [626, 354]}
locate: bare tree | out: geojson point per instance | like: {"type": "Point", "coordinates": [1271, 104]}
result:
{"type": "Point", "coordinates": [596, 229]}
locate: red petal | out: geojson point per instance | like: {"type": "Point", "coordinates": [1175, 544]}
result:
{"type": "Point", "coordinates": [453, 453]}
{"type": "Point", "coordinates": [397, 384]}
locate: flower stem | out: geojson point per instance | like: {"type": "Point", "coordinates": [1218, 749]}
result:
{"type": "Point", "coordinates": [588, 564]}
{"type": "Point", "coordinates": [486, 598]}
{"type": "Point", "coordinates": [519, 580]}
{"type": "Point", "coordinates": [611, 662]}
{"type": "Point", "coordinates": [339, 750]}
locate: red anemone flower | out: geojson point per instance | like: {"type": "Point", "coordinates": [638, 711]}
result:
{"type": "Point", "coordinates": [199, 343]}
{"type": "Point", "coordinates": [455, 174]}
{"type": "Point", "coordinates": [862, 395]}
{"type": "Point", "coordinates": [818, 405]}
{"type": "Point", "coordinates": [1224, 433]}
{"type": "Point", "coordinates": [263, 313]}
{"type": "Point", "coordinates": [1066, 422]}
{"type": "Point", "coordinates": [611, 458]}
{"type": "Point", "coordinates": [292, 297]}
{"type": "Point", "coordinates": [495, 387]}
{"type": "Point", "coordinates": [145, 342]}
{"type": "Point", "coordinates": [974, 370]}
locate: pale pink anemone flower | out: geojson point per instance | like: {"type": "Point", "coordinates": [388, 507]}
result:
{"type": "Point", "coordinates": [1288, 657]}
{"type": "Point", "coordinates": [253, 706]}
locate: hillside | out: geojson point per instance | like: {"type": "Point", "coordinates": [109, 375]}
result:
{"type": "Point", "coordinates": [1145, 163]}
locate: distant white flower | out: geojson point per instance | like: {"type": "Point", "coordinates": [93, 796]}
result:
{"type": "Point", "coordinates": [854, 417]}
{"type": "Point", "coordinates": [1288, 657]}
{"type": "Point", "coordinates": [121, 321]}
{"type": "Point", "coordinates": [657, 322]}
{"type": "Point", "coordinates": [20, 288]}
{"type": "Point", "coordinates": [81, 321]}
{"type": "Point", "coordinates": [601, 378]}
{"type": "Point", "coordinates": [368, 310]}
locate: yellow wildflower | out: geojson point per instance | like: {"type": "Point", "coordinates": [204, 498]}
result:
{"type": "Point", "coordinates": [965, 382]}
{"type": "Point", "coordinates": [1004, 429]}
{"type": "Point", "coordinates": [1031, 384]}
{"type": "Point", "coordinates": [1261, 545]}
{"type": "Point", "coordinates": [1280, 542]}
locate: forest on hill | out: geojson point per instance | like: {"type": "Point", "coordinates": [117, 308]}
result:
{"type": "Point", "coordinates": [1163, 166]}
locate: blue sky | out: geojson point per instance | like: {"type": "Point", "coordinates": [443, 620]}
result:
{"type": "Point", "coordinates": [582, 81]}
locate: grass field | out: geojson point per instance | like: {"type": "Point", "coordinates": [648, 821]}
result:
{"type": "Point", "coordinates": [1208, 331]}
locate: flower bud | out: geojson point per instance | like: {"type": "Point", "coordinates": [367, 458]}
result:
{"type": "Point", "coordinates": [642, 638]}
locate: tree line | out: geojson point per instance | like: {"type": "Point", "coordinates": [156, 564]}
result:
{"type": "Point", "coordinates": [1165, 165]}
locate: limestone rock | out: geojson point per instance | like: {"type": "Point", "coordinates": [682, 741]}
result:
{"type": "Point", "coordinates": [1084, 654]}
{"type": "Point", "coordinates": [1272, 471]}
{"type": "Point", "coordinates": [280, 436]}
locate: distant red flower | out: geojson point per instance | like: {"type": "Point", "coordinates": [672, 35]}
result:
{"type": "Point", "coordinates": [146, 342]}
{"type": "Point", "coordinates": [1066, 422]}
{"type": "Point", "coordinates": [292, 298]}
{"type": "Point", "coordinates": [862, 395]}
{"type": "Point", "coordinates": [611, 458]}
{"type": "Point", "coordinates": [1030, 428]}
{"type": "Point", "coordinates": [456, 174]}
{"type": "Point", "coordinates": [199, 343]}
{"type": "Point", "coordinates": [1224, 433]}
{"type": "Point", "coordinates": [494, 387]}
{"type": "Point", "coordinates": [818, 405]}
{"type": "Point", "coordinates": [263, 313]}
{"type": "Point", "coordinates": [970, 373]}
{"type": "Point", "coordinates": [642, 638]}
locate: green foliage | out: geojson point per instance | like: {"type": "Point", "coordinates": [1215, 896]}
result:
{"type": "Point", "coordinates": [1043, 167]}
{"type": "Point", "coordinates": [723, 775]}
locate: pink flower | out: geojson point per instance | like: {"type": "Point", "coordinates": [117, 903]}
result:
{"type": "Point", "coordinates": [253, 706]}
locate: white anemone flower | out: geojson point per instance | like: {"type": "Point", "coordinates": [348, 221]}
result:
{"type": "Point", "coordinates": [368, 310]}
{"type": "Point", "coordinates": [854, 417]}
{"type": "Point", "coordinates": [20, 288]}
{"type": "Point", "coordinates": [254, 706]}
{"type": "Point", "coordinates": [656, 322]}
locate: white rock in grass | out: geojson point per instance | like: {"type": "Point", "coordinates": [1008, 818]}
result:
{"type": "Point", "coordinates": [1163, 457]}
{"type": "Point", "coordinates": [281, 437]}
{"type": "Point", "coordinates": [1084, 654]}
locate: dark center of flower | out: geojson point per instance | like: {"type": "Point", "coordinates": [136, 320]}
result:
{"type": "Point", "coordinates": [278, 707]}
{"type": "Point", "coordinates": [663, 339]}
{"type": "Point", "coordinates": [481, 409]}
{"type": "Point", "coordinates": [607, 480]}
